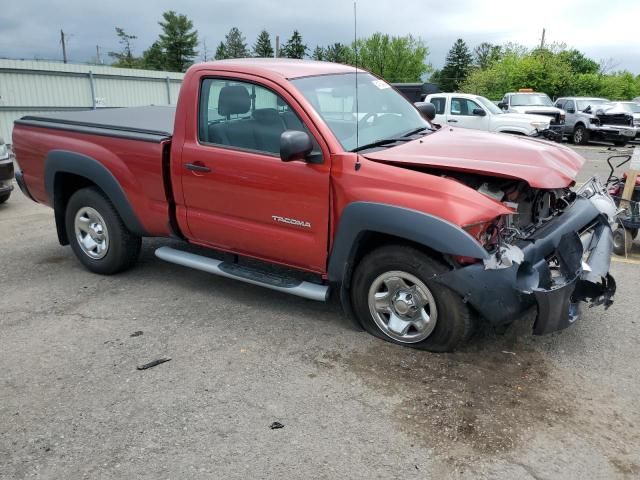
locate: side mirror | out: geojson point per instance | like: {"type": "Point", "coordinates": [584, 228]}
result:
{"type": "Point", "coordinates": [479, 112]}
{"type": "Point", "coordinates": [503, 106]}
{"type": "Point", "coordinates": [428, 110]}
{"type": "Point", "coordinates": [294, 145]}
{"type": "Point", "coordinates": [571, 110]}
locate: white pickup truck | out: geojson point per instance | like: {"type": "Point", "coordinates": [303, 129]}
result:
{"type": "Point", "coordinates": [479, 113]}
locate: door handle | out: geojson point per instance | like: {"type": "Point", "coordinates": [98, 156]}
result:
{"type": "Point", "coordinates": [197, 167]}
{"type": "Point", "coordinates": [452, 121]}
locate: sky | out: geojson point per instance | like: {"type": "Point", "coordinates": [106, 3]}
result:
{"type": "Point", "coordinates": [603, 29]}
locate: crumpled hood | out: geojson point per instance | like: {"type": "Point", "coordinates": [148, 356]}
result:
{"type": "Point", "coordinates": [540, 163]}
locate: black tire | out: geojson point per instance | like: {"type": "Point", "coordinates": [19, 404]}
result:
{"type": "Point", "coordinates": [580, 135]}
{"type": "Point", "coordinates": [123, 247]}
{"type": "Point", "coordinates": [633, 232]}
{"type": "Point", "coordinates": [455, 321]}
{"type": "Point", "coordinates": [622, 241]}
{"type": "Point", "coordinates": [620, 143]}
{"type": "Point", "coordinates": [4, 197]}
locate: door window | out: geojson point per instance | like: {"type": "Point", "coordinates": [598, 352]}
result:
{"type": "Point", "coordinates": [463, 106]}
{"type": "Point", "coordinates": [245, 116]}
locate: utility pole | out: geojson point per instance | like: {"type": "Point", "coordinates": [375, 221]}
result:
{"type": "Point", "coordinates": [277, 52]}
{"type": "Point", "coordinates": [98, 59]}
{"type": "Point", "coordinates": [204, 50]}
{"type": "Point", "coordinates": [64, 47]}
{"type": "Point", "coordinates": [542, 41]}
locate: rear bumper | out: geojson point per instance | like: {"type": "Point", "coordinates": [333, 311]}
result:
{"type": "Point", "coordinates": [559, 269]}
{"type": "Point", "coordinates": [22, 184]}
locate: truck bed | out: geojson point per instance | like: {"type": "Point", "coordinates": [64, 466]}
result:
{"type": "Point", "coordinates": [153, 123]}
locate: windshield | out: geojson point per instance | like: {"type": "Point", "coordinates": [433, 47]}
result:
{"type": "Point", "coordinates": [629, 107]}
{"type": "Point", "coordinates": [381, 111]}
{"type": "Point", "coordinates": [489, 105]}
{"type": "Point", "coordinates": [585, 103]}
{"type": "Point", "coordinates": [530, 99]}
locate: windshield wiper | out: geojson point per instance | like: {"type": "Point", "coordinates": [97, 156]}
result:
{"type": "Point", "coordinates": [417, 130]}
{"type": "Point", "coordinates": [380, 143]}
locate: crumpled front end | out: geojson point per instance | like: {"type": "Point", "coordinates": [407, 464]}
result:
{"type": "Point", "coordinates": [563, 263]}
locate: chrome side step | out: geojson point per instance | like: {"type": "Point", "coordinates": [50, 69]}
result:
{"type": "Point", "coordinates": [293, 286]}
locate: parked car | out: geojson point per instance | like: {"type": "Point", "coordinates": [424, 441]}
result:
{"type": "Point", "coordinates": [417, 230]}
{"type": "Point", "coordinates": [634, 109]}
{"type": "Point", "coordinates": [536, 103]}
{"type": "Point", "coordinates": [596, 119]}
{"type": "Point", "coordinates": [479, 113]}
{"type": "Point", "coordinates": [6, 172]}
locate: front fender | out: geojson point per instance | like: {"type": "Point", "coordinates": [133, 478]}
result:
{"type": "Point", "coordinates": [359, 218]}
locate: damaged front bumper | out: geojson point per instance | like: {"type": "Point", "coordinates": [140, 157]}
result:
{"type": "Point", "coordinates": [553, 133]}
{"type": "Point", "coordinates": [555, 269]}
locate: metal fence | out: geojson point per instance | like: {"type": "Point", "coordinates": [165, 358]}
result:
{"type": "Point", "coordinates": [32, 87]}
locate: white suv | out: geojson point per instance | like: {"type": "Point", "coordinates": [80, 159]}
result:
{"type": "Point", "coordinates": [473, 111]}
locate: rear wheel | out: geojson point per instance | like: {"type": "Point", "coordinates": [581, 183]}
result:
{"type": "Point", "coordinates": [4, 197]}
{"type": "Point", "coordinates": [97, 234]}
{"type": "Point", "coordinates": [395, 299]}
{"type": "Point", "coordinates": [622, 241]}
{"type": "Point", "coordinates": [580, 135]}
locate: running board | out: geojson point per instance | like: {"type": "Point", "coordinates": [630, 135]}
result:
{"type": "Point", "coordinates": [293, 286]}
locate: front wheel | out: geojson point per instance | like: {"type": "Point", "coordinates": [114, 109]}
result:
{"type": "Point", "coordinates": [97, 234]}
{"type": "Point", "coordinates": [395, 299]}
{"type": "Point", "coordinates": [580, 135]}
{"type": "Point", "coordinates": [620, 143]}
{"type": "Point", "coordinates": [4, 197]}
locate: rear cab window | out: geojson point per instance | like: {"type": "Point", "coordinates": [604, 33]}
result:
{"type": "Point", "coordinates": [439, 103]}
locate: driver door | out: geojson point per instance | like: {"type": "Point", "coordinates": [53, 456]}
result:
{"type": "Point", "coordinates": [238, 194]}
{"type": "Point", "coordinates": [461, 114]}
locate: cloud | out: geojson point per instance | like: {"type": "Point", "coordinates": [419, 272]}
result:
{"type": "Point", "coordinates": [601, 29]}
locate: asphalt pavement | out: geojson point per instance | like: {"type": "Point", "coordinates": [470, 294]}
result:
{"type": "Point", "coordinates": [73, 404]}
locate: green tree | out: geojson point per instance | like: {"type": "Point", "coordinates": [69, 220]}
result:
{"type": "Point", "coordinates": [178, 40]}
{"type": "Point", "coordinates": [221, 52]}
{"type": "Point", "coordinates": [294, 48]}
{"type": "Point", "coordinates": [154, 58]}
{"type": "Point", "coordinates": [263, 47]}
{"type": "Point", "coordinates": [235, 44]}
{"type": "Point", "coordinates": [485, 54]}
{"type": "Point", "coordinates": [125, 57]}
{"type": "Point", "coordinates": [457, 67]}
{"type": "Point", "coordinates": [396, 59]}
{"type": "Point", "coordinates": [540, 69]}
{"type": "Point", "coordinates": [579, 62]}
{"type": "Point", "coordinates": [337, 53]}
{"type": "Point", "coordinates": [318, 53]}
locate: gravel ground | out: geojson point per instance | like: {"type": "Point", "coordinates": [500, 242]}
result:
{"type": "Point", "coordinates": [74, 406]}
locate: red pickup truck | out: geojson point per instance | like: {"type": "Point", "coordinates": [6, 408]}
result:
{"type": "Point", "coordinates": [419, 231]}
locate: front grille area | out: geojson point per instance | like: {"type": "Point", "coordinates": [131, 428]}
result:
{"type": "Point", "coordinates": [616, 119]}
{"type": "Point", "coordinates": [555, 116]}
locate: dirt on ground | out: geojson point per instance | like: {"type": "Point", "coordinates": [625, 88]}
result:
{"type": "Point", "coordinates": [486, 401]}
